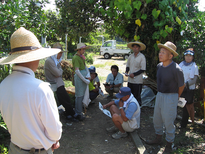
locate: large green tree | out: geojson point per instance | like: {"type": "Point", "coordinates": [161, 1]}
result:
{"type": "Point", "coordinates": [149, 21]}
{"type": "Point", "coordinates": [78, 18]}
{"type": "Point", "coordinates": [17, 13]}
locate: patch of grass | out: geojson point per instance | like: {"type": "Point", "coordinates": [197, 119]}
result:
{"type": "Point", "coordinates": [102, 78]}
{"type": "Point", "coordinates": [99, 65]}
{"type": "Point", "coordinates": [108, 63]}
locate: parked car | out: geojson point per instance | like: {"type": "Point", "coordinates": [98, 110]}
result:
{"type": "Point", "coordinates": [108, 49]}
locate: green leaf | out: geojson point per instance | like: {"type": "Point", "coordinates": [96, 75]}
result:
{"type": "Point", "coordinates": [138, 14]}
{"type": "Point", "coordinates": [155, 13]}
{"type": "Point", "coordinates": [144, 16]}
{"type": "Point", "coordinates": [91, 1]}
{"type": "Point", "coordinates": [148, 1]}
{"type": "Point", "coordinates": [155, 36]}
{"type": "Point", "coordinates": [178, 20]}
{"type": "Point", "coordinates": [137, 4]}
{"type": "Point", "coordinates": [128, 7]}
{"type": "Point", "coordinates": [168, 29]}
{"type": "Point", "coordinates": [163, 33]}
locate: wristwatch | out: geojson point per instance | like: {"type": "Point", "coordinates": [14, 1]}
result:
{"type": "Point", "coordinates": [120, 108]}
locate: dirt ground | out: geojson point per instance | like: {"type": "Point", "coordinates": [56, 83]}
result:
{"type": "Point", "coordinates": [90, 136]}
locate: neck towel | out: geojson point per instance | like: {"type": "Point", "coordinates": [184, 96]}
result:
{"type": "Point", "coordinates": [57, 61]}
{"type": "Point", "coordinates": [127, 101]}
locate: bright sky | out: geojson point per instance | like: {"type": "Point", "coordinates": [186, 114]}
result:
{"type": "Point", "coordinates": [52, 5]}
{"type": "Point", "coordinates": [201, 5]}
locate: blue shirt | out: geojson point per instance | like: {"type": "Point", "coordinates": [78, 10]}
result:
{"type": "Point", "coordinates": [118, 79]}
{"type": "Point", "coordinates": [132, 108]}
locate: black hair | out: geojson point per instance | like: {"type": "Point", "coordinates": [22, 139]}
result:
{"type": "Point", "coordinates": [114, 67]}
{"type": "Point", "coordinates": [136, 45]}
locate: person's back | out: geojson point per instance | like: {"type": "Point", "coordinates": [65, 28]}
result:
{"type": "Point", "coordinates": [27, 104]}
{"type": "Point", "coordinates": [24, 107]}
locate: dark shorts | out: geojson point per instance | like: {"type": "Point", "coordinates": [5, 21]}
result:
{"type": "Point", "coordinates": [188, 95]}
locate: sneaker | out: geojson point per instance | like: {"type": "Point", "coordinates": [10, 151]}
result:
{"type": "Point", "coordinates": [80, 117]}
{"type": "Point", "coordinates": [111, 129]}
{"type": "Point", "coordinates": [119, 135]}
{"type": "Point", "coordinates": [70, 118]}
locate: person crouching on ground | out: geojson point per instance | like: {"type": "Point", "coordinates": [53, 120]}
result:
{"type": "Point", "coordinates": [96, 81]}
{"type": "Point", "coordinates": [125, 113]}
{"type": "Point", "coordinates": [114, 81]}
{"type": "Point", "coordinates": [93, 90]}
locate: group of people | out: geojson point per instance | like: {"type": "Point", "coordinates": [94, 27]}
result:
{"type": "Point", "coordinates": [29, 108]}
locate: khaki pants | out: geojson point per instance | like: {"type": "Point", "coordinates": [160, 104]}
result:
{"type": "Point", "coordinates": [13, 149]}
{"type": "Point", "coordinates": [115, 90]}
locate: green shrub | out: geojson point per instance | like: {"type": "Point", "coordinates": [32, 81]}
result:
{"type": "Point", "coordinates": [5, 70]}
{"type": "Point", "coordinates": [3, 149]}
{"type": "Point", "coordinates": [89, 58]}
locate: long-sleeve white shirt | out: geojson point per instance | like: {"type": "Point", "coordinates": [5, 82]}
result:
{"type": "Point", "coordinates": [29, 110]}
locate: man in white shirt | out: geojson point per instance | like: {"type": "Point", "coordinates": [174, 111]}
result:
{"type": "Point", "coordinates": [114, 81]}
{"type": "Point", "coordinates": [27, 104]}
{"type": "Point", "coordinates": [136, 65]}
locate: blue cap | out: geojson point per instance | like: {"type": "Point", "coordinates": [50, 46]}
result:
{"type": "Point", "coordinates": [124, 91]}
{"type": "Point", "coordinates": [92, 70]}
{"type": "Point", "coordinates": [189, 52]}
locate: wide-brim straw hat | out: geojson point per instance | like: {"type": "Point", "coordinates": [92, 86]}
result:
{"type": "Point", "coordinates": [59, 46]}
{"type": "Point", "coordinates": [142, 45]}
{"type": "Point", "coordinates": [82, 46]}
{"type": "Point", "coordinates": [169, 46]}
{"type": "Point", "coordinates": [25, 47]}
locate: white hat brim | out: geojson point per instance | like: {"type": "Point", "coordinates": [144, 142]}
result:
{"type": "Point", "coordinates": [142, 45]}
{"type": "Point", "coordinates": [28, 55]}
{"type": "Point", "coordinates": [168, 48]}
{"type": "Point", "coordinates": [87, 47]}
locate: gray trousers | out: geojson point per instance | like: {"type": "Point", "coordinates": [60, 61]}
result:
{"type": "Point", "coordinates": [13, 149]}
{"type": "Point", "coordinates": [165, 112]}
{"type": "Point", "coordinates": [79, 105]}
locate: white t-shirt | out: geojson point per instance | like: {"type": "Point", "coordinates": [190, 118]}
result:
{"type": "Point", "coordinates": [188, 73]}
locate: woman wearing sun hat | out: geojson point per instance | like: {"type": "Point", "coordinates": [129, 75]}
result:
{"type": "Point", "coordinates": [27, 104]}
{"type": "Point", "coordinates": [53, 74]}
{"type": "Point", "coordinates": [81, 78]}
{"type": "Point", "coordinates": [191, 74]}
